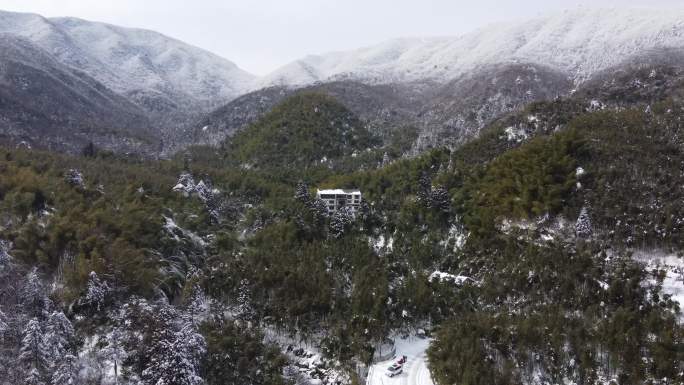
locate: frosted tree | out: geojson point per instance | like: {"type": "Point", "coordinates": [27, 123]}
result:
{"type": "Point", "coordinates": [4, 327]}
{"type": "Point", "coordinates": [245, 310]}
{"type": "Point", "coordinates": [583, 227]}
{"type": "Point", "coordinates": [34, 354]}
{"type": "Point", "coordinates": [33, 297]}
{"type": "Point", "coordinates": [4, 253]}
{"type": "Point", "coordinates": [424, 189]}
{"type": "Point", "coordinates": [386, 160]}
{"type": "Point", "coordinates": [66, 371]}
{"type": "Point", "coordinates": [197, 304]}
{"type": "Point", "coordinates": [340, 221]}
{"type": "Point", "coordinates": [185, 183]}
{"type": "Point", "coordinates": [175, 352]}
{"type": "Point", "coordinates": [59, 334]}
{"type": "Point", "coordinates": [96, 292]}
{"type": "Point", "coordinates": [34, 377]}
{"type": "Point", "coordinates": [439, 199]}
{"type": "Point", "coordinates": [302, 193]}
{"type": "Point", "coordinates": [74, 178]}
{"type": "Point", "coordinates": [114, 350]}
{"type": "Point", "coordinates": [319, 209]}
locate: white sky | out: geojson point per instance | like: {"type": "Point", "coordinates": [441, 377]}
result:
{"type": "Point", "coordinates": [261, 35]}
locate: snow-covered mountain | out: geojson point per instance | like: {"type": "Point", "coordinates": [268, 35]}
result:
{"type": "Point", "coordinates": [157, 72]}
{"type": "Point", "coordinates": [579, 43]}
{"type": "Point", "coordinates": [44, 102]}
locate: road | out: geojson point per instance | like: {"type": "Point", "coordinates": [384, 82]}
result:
{"type": "Point", "coordinates": [415, 369]}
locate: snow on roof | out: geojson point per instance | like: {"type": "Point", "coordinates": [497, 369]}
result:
{"type": "Point", "coordinates": [339, 191]}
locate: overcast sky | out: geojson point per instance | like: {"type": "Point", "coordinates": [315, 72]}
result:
{"type": "Point", "coordinates": [261, 35]}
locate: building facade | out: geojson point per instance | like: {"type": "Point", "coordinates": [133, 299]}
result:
{"type": "Point", "coordinates": [335, 199]}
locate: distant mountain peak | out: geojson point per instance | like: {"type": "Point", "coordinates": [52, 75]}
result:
{"type": "Point", "coordinates": [134, 61]}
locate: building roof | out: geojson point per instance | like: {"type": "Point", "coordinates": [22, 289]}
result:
{"type": "Point", "coordinates": [339, 191]}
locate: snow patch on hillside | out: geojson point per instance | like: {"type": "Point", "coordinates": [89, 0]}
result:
{"type": "Point", "coordinates": [673, 265]}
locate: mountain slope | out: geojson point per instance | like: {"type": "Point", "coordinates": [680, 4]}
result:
{"type": "Point", "coordinates": [159, 73]}
{"type": "Point", "coordinates": [45, 103]}
{"type": "Point", "coordinates": [575, 42]}
{"type": "Point", "coordinates": [303, 130]}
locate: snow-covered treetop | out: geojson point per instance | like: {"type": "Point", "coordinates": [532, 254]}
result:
{"type": "Point", "coordinates": [75, 178]}
{"type": "Point", "coordinates": [4, 252]}
{"type": "Point", "coordinates": [573, 41]}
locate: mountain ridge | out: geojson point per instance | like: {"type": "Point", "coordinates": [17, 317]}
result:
{"type": "Point", "coordinates": [549, 40]}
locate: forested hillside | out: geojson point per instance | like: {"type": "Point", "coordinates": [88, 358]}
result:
{"type": "Point", "coordinates": [514, 250]}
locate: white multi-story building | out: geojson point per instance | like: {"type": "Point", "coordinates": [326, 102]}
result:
{"type": "Point", "coordinates": [335, 199]}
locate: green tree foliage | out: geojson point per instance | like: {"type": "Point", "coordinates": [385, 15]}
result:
{"type": "Point", "coordinates": [299, 133]}
{"type": "Point", "coordinates": [236, 355]}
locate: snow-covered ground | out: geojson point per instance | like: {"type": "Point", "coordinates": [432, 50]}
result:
{"type": "Point", "coordinates": [415, 369]}
{"type": "Point", "coordinates": [673, 266]}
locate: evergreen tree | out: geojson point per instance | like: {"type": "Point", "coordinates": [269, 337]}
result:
{"type": "Point", "coordinates": [174, 353]}
{"type": "Point", "coordinates": [386, 160]}
{"type": "Point", "coordinates": [59, 334]}
{"type": "Point", "coordinates": [89, 150]}
{"type": "Point", "coordinates": [340, 221]}
{"type": "Point", "coordinates": [302, 193]}
{"type": "Point", "coordinates": [74, 178]}
{"type": "Point", "coordinates": [583, 227]}
{"type": "Point", "coordinates": [4, 253]}
{"type": "Point", "coordinates": [424, 189]}
{"type": "Point", "coordinates": [197, 304]}
{"type": "Point", "coordinates": [34, 354]}
{"type": "Point", "coordinates": [34, 377]}
{"type": "Point", "coordinates": [320, 210]}
{"type": "Point", "coordinates": [33, 298]}
{"type": "Point", "coordinates": [439, 199]}
{"type": "Point", "coordinates": [66, 372]}
{"type": "Point", "coordinates": [4, 327]}
{"type": "Point", "coordinates": [96, 292]}
{"type": "Point", "coordinates": [245, 310]}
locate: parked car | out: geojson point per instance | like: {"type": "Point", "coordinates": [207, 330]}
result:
{"type": "Point", "coordinates": [394, 370]}
{"type": "Point", "coordinates": [402, 360]}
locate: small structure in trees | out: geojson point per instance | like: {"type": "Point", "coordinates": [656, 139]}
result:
{"type": "Point", "coordinates": [336, 199]}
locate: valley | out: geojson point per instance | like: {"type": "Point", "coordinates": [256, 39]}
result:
{"type": "Point", "coordinates": [502, 207]}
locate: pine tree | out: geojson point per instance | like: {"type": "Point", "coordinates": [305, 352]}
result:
{"type": "Point", "coordinates": [33, 298]}
{"type": "Point", "coordinates": [114, 351]}
{"type": "Point", "coordinates": [74, 178]}
{"type": "Point", "coordinates": [89, 150]}
{"type": "Point", "coordinates": [185, 183]}
{"type": "Point", "coordinates": [4, 253]}
{"type": "Point", "coordinates": [34, 354]}
{"type": "Point", "coordinates": [424, 189]}
{"type": "Point", "coordinates": [439, 199]}
{"type": "Point", "coordinates": [66, 372]}
{"type": "Point", "coordinates": [386, 160]}
{"type": "Point", "coordinates": [4, 327]}
{"type": "Point", "coordinates": [319, 210]}
{"type": "Point", "coordinates": [583, 227]}
{"type": "Point", "coordinates": [245, 310]}
{"type": "Point", "coordinates": [175, 352]}
{"type": "Point", "coordinates": [340, 221]}
{"type": "Point", "coordinates": [34, 377]}
{"type": "Point", "coordinates": [302, 193]}
{"type": "Point", "coordinates": [197, 304]}
{"type": "Point", "coordinates": [96, 292]}
{"type": "Point", "coordinates": [59, 334]}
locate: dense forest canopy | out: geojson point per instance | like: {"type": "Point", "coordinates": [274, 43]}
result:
{"type": "Point", "coordinates": [216, 248]}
